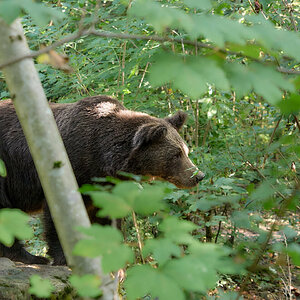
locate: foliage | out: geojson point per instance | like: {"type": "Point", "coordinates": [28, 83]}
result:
{"type": "Point", "coordinates": [11, 9]}
{"type": "Point", "coordinates": [13, 224]}
{"type": "Point", "coordinates": [174, 272]}
{"type": "Point", "coordinates": [240, 87]}
{"type": "Point", "coordinates": [2, 169]}
{"type": "Point", "coordinates": [40, 287]}
{"type": "Point", "coordinates": [36, 244]}
{"type": "Point", "coordinates": [86, 285]}
{"type": "Point", "coordinates": [107, 242]}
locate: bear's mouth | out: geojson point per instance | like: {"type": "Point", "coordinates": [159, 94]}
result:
{"type": "Point", "coordinates": [182, 185]}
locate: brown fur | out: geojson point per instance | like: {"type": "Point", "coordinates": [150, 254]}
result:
{"type": "Point", "coordinates": [101, 138]}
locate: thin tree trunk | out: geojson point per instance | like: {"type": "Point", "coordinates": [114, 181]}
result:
{"type": "Point", "coordinates": [47, 149]}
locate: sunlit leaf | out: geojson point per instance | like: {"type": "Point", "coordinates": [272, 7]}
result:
{"type": "Point", "coordinates": [104, 241]}
{"type": "Point", "coordinates": [40, 287]}
{"type": "Point", "coordinates": [143, 280]}
{"type": "Point", "coordinates": [162, 249]}
{"type": "Point", "coordinates": [14, 224]}
{"type": "Point", "coordinates": [87, 285]}
{"type": "Point", "coordinates": [202, 4]}
{"type": "Point", "coordinates": [3, 172]}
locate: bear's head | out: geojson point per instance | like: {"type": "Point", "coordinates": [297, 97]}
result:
{"type": "Point", "coordinates": [159, 151]}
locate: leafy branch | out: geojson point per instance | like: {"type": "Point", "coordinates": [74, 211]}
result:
{"type": "Point", "coordinates": [106, 34]}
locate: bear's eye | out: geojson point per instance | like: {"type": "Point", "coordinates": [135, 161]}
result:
{"type": "Point", "coordinates": [177, 155]}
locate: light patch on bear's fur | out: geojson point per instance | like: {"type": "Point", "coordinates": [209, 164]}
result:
{"type": "Point", "coordinates": [128, 114]}
{"type": "Point", "coordinates": [186, 149]}
{"type": "Point", "coordinates": [104, 109]}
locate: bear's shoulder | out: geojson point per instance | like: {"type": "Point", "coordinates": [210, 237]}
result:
{"type": "Point", "coordinates": [99, 100]}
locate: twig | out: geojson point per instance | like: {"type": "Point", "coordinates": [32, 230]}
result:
{"type": "Point", "coordinates": [208, 231]}
{"type": "Point", "coordinates": [288, 71]}
{"type": "Point", "coordinates": [197, 124]}
{"type": "Point", "coordinates": [271, 140]}
{"type": "Point", "coordinates": [95, 14]}
{"type": "Point", "coordinates": [143, 76]}
{"type": "Point", "coordinates": [123, 68]}
{"type": "Point", "coordinates": [275, 128]}
{"type": "Point", "coordinates": [138, 236]}
{"type": "Point", "coordinates": [252, 7]}
{"type": "Point", "coordinates": [288, 278]}
{"type": "Point", "coordinates": [82, 84]}
{"type": "Point", "coordinates": [220, 223]}
{"type": "Point", "coordinates": [297, 122]}
{"type": "Point", "coordinates": [206, 132]}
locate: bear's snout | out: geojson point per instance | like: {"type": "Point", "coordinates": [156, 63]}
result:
{"type": "Point", "coordinates": [199, 176]}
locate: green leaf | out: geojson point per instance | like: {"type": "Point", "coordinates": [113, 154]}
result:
{"type": "Point", "coordinates": [224, 183]}
{"type": "Point", "coordinates": [10, 10]}
{"type": "Point", "coordinates": [104, 238]}
{"type": "Point", "coordinates": [144, 280]}
{"type": "Point", "coordinates": [220, 30]}
{"type": "Point", "coordinates": [289, 232]}
{"type": "Point", "coordinates": [40, 13]}
{"type": "Point", "coordinates": [177, 230]}
{"type": "Point", "coordinates": [112, 205]}
{"type": "Point", "coordinates": [199, 4]}
{"type": "Point", "coordinates": [149, 200]}
{"type": "Point", "coordinates": [228, 295]}
{"type": "Point", "coordinates": [87, 188]}
{"type": "Point", "coordinates": [218, 257]}
{"type": "Point", "coordinates": [128, 196]}
{"type": "Point", "coordinates": [192, 273]}
{"type": "Point", "coordinates": [263, 193]}
{"type": "Point", "coordinates": [238, 77]}
{"type": "Point", "coordinates": [14, 223]}
{"type": "Point", "coordinates": [128, 191]}
{"type": "Point", "coordinates": [3, 172]}
{"type": "Point", "coordinates": [268, 82]}
{"type": "Point", "coordinates": [40, 287]}
{"type": "Point", "coordinates": [87, 285]}
{"type": "Point", "coordinates": [116, 258]}
{"type": "Point", "coordinates": [104, 241]}
{"type": "Point", "coordinates": [205, 203]}
{"type": "Point", "coordinates": [293, 251]}
{"type": "Point", "coordinates": [165, 69]}
{"type": "Point", "coordinates": [162, 249]}
{"type": "Point", "coordinates": [265, 81]}
{"type": "Point", "coordinates": [161, 17]}
{"type": "Point", "coordinates": [241, 219]}
{"type": "Point", "coordinates": [290, 105]}
{"type": "Point", "coordinates": [191, 74]}
{"type": "Point", "coordinates": [250, 49]}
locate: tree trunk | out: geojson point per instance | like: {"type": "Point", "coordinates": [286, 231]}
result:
{"type": "Point", "coordinates": [47, 149]}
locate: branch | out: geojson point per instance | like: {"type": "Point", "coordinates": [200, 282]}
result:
{"type": "Point", "coordinates": [288, 71]}
{"type": "Point", "coordinates": [125, 36]}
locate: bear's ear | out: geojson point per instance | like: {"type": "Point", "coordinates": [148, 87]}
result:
{"type": "Point", "coordinates": [177, 120]}
{"type": "Point", "coordinates": [148, 133]}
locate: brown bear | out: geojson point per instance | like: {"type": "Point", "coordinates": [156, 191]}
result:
{"type": "Point", "coordinates": [102, 138]}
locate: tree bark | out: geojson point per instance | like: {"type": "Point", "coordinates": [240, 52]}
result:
{"type": "Point", "coordinates": [47, 149]}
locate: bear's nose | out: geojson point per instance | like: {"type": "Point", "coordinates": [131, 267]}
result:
{"type": "Point", "coordinates": [200, 176]}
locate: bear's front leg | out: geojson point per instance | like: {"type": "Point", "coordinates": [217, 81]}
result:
{"type": "Point", "coordinates": [17, 253]}
{"type": "Point", "coordinates": [55, 249]}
